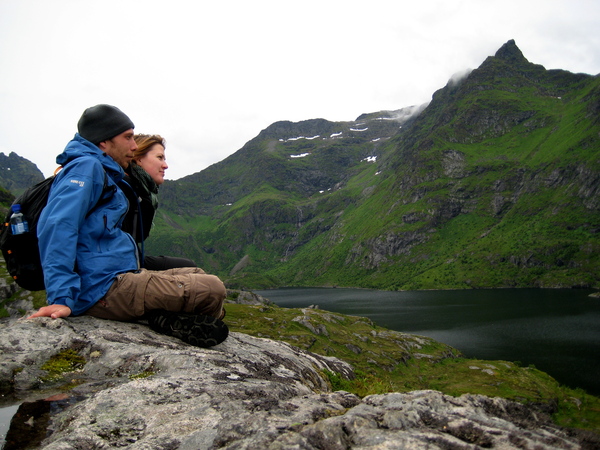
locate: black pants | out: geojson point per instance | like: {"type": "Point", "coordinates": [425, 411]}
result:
{"type": "Point", "coordinates": [166, 262]}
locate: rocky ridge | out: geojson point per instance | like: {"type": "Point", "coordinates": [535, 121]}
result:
{"type": "Point", "coordinates": [17, 174]}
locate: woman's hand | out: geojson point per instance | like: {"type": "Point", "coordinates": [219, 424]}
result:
{"type": "Point", "coordinates": [54, 311]}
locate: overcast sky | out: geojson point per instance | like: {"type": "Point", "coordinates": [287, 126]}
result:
{"type": "Point", "coordinates": [209, 76]}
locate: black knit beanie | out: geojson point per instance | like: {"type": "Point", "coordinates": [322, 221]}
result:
{"type": "Point", "coordinates": [102, 122]}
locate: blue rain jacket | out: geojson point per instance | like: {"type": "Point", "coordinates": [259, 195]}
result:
{"type": "Point", "coordinates": [82, 255]}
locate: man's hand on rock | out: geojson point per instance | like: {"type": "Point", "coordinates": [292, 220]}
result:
{"type": "Point", "coordinates": [54, 311]}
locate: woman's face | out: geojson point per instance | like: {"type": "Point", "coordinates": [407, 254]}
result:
{"type": "Point", "coordinates": [155, 163]}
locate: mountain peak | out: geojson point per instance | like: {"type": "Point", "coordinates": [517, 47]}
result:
{"type": "Point", "coordinates": [511, 53]}
{"type": "Point", "coordinates": [18, 173]}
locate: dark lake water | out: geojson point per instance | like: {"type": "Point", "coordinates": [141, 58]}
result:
{"type": "Point", "coordinates": [557, 330]}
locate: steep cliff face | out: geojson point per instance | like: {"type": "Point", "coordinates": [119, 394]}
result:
{"type": "Point", "coordinates": [495, 164]}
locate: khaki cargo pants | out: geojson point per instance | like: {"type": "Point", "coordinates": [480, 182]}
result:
{"type": "Point", "coordinates": [185, 289]}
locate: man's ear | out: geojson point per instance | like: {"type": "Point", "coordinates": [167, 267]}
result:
{"type": "Point", "coordinates": [102, 145]}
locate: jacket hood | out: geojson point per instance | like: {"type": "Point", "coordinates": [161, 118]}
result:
{"type": "Point", "coordinates": [79, 146]}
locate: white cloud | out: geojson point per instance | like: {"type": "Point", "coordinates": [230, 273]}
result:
{"type": "Point", "coordinates": [210, 77]}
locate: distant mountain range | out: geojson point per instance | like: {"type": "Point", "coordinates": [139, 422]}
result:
{"type": "Point", "coordinates": [18, 173]}
{"type": "Point", "coordinates": [494, 183]}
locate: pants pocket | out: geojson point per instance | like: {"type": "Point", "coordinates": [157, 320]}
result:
{"type": "Point", "coordinates": [121, 302]}
{"type": "Point", "coordinates": [165, 291]}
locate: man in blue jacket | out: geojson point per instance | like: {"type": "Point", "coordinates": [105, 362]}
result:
{"type": "Point", "coordinates": [92, 267]}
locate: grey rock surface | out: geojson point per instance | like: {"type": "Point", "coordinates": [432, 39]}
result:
{"type": "Point", "coordinates": [7, 289]}
{"type": "Point", "coordinates": [141, 390]}
{"type": "Point", "coordinates": [246, 298]}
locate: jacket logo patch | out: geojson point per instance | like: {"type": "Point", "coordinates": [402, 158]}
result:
{"type": "Point", "coordinates": [80, 183]}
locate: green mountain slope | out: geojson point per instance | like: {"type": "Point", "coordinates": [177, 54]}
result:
{"type": "Point", "coordinates": [494, 184]}
{"type": "Point", "coordinates": [255, 200]}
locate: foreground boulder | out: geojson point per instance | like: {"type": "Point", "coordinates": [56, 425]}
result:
{"type": "Point", "coordinates": [134, 388]}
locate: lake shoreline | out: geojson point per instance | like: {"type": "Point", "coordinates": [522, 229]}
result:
{"type": "Point", "coordinates": [552, 329]}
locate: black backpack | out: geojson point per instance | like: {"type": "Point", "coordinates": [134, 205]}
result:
{"type": "Point", "coordinates": [21, 251]}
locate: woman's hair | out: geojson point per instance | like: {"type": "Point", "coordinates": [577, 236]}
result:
{"type": "Point", "coordinates": [145, 142]}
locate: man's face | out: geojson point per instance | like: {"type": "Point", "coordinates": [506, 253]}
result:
{"type": "Point", "coordinates": [120, 148]}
